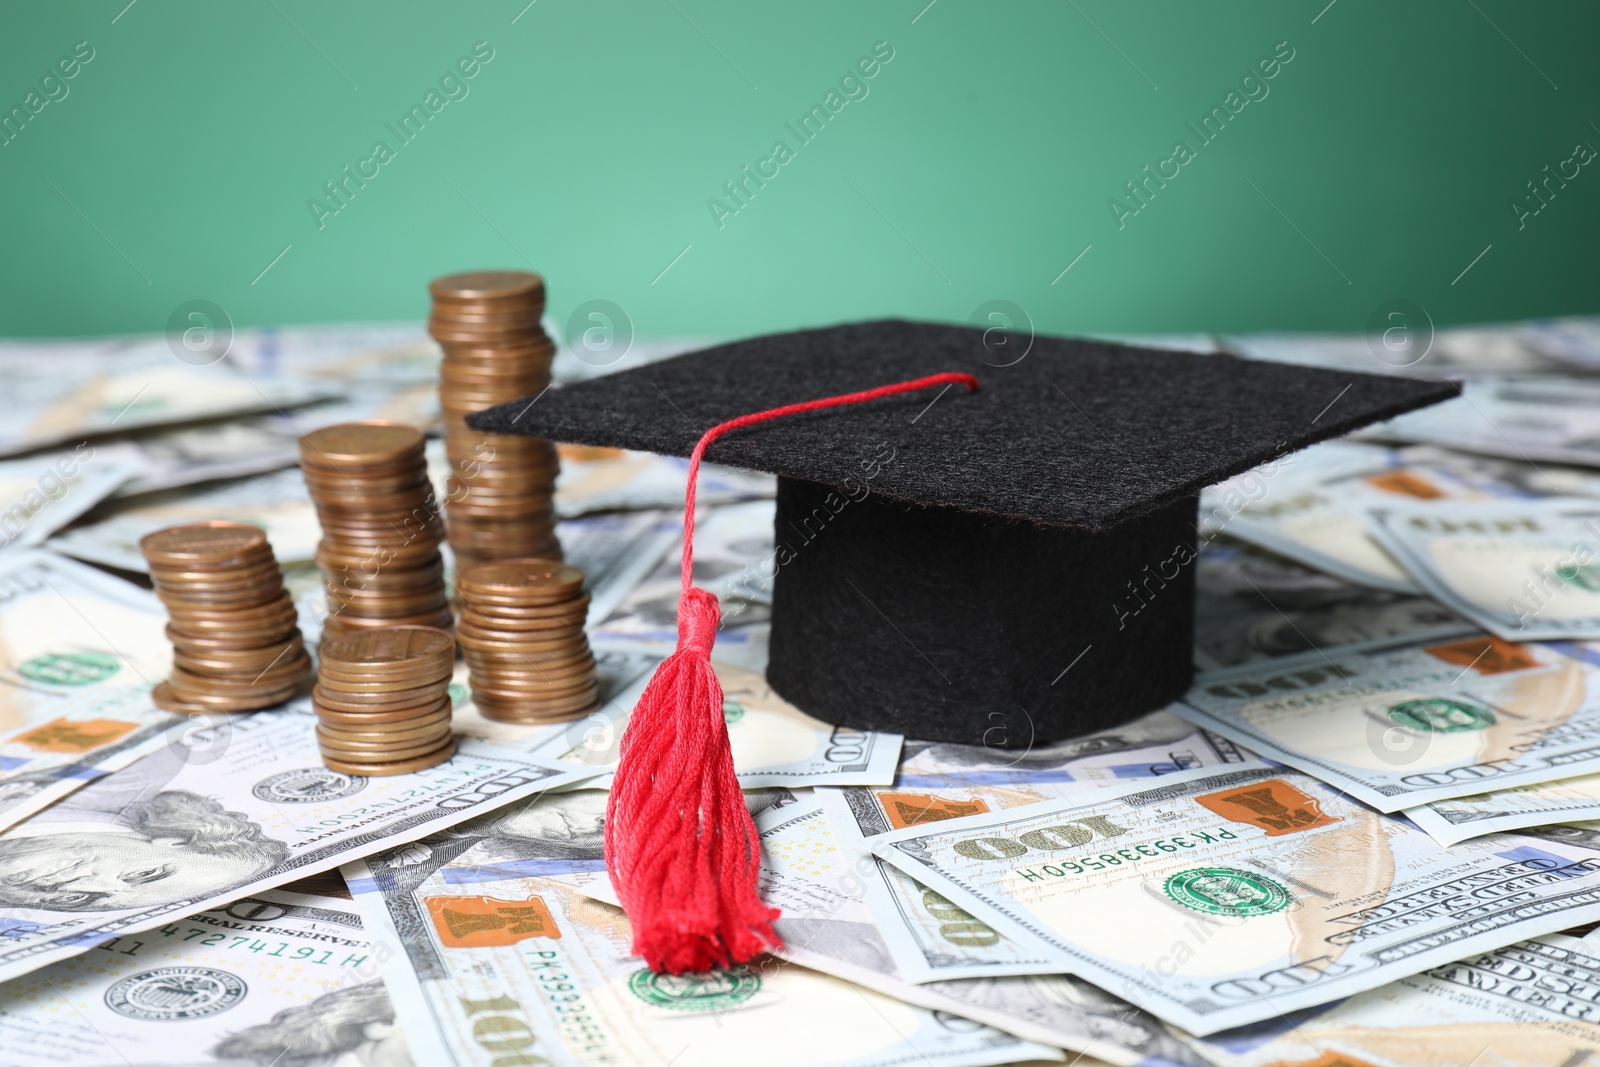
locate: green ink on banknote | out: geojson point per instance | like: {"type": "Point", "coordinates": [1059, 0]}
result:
{"type": "Point", "coordinates": [716, 991]}
{"type": "Point", "coordinates": [1435, 715]}
{"type": "Point", "coordinates": [1226, 891]}
{"type": "Point", "coordinates": [69, 668]}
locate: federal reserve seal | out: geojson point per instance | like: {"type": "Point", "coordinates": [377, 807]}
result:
{"type": "Point", "coordinates": [1226, 891]}
{"type": "Point", "coordinates": [69, 668]}
{"type": "Point", "coordinates": [1435, 715]}
{"type": "Point", "coordinates": [696, 992]}
{"type": "Point", "coordinates": [170, 994]}
{"type": "Point", "coordinates": [308, 785]}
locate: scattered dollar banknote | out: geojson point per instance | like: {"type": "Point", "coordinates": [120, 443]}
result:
{"type": "Point", "coordinates": [808, 872]}
{"type": "Point", "coordinates": [1251, 604]}
{"type": "Point", "coordinates": [929, 937]}
{"type": "Point", "coordinates": [1562, 801]}
{"type": "Point", "coordinates": [485, 964]}
{"type": "Point", "coordinates": [774, 742]}
{"type": "Point", "coordinates": [1555, 420]}
{"type": "Point", "coordinates": [1401, 723]}
{"type": "Point", "coordinates": [1525, 570]}
{"type": "Point", "coordinates": [1217, 900]}
{"type": "Point", "coordinates": [276, 502]}
{"type": "Point", "coordinates": [610, 479]}
{"type": "Point", "coordinates": [274, 977]}
{"type": "Point", "coordinates": [60, 392]}
{"type": "Point", "coordinates": [67, 629]}
{"type": "Point", "coordinates": [41, 493]}
{"type": "Point", "coordinates": [242, 805]}
{"type": "Point", "coordinates": [89, 737]}
{"type": "Point", "coordinates": [733, 558]}
{"type": "Point", "coordinates": [1309, 507]}
{"type": "Point", "coordinates": [1529, 1004]}
{"type": "Point", "coordinates": [616, 552]}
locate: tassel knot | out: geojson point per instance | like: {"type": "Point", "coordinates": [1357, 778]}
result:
{"type": "Point", "coordinates": [699, 615]}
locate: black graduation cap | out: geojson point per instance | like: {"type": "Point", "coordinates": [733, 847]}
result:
{"type": "Point", "coordinates": [1005, 567]}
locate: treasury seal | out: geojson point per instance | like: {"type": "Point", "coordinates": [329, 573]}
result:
{"type": "Point", "coordinates": [1435, 715]}
{"type": "Point", "coordinates": [69, 668]}
{"type": "Point", "coordinates": [308, 785]}
{"type": "Point", "coordinates": [695, 992]}
{"type": "Point", "coordinates": [1226, 891]}
{"type": "Point", "coordinates": [170, 994]}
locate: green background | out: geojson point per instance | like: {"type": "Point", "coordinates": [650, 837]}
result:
{"type": "Point", "coordinates": [1384, 160]}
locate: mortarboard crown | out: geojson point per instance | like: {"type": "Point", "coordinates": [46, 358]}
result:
{"type": "Point", "coordinates": [1005, 567]}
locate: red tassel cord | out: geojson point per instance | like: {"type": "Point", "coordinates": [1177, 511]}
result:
{"type": "Point", "coordinates": [681, 847]}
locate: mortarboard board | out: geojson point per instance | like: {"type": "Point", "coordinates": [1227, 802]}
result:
{"type": "Point", "coordinates": [954, 568]}
{"type": "Point", "coordinates": [1005, 567]}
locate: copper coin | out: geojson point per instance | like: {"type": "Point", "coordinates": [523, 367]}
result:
{"type": "Point", "coordinates": [377, 770]}
{"type": "Point", "coordinates": [264, 570]}
{"type": "Point", "coordinates": [225, 644]}
{"type": "Point", "coordinates": [543, 659]}
{"type": "Point", "coordinates": [251, 662]}
{"type": "Point", "coordinates": [483, 285]}
{"type": "Point", "coordinates": [382, 746]}
{"type": "Point", "coordinates": [549, 703]}
{"type": "Point", "coordinates": [240, 685]}
{"type": "Point", "coordinates": [358, 444]}
{"type": "Point", "coordinates": [201, 542]}
{"type": "Point", "coordinates": [534, 711]}
{"type": "Point", "coordinates": [375, 756]}
{"type": "Point", "coordinates": [364, 720]}
{"type": "Point", "coordinates": [340, 559]}
{"type": "Point", "coordinates": [231, 701]}
{"type": "Point", "coordinates": [346, 624]}
{"type": "Point", "coordinates": [408, 702]}
{"type": "Point", "coordinates": [390, 648]}
{"type": "Point", "coordinates": [347, 687]}
{"type": "Point", "coordinates": [358, 729]}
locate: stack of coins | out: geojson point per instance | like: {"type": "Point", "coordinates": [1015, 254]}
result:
{"type": "Point", "coordinates": [381, 528]}
{"type": "Point", "coordinates": [499, 497]}
{"type": "Point", "coordinates": [235, 645]}
{"type": "Point", "coordinates": [521, 633]}
{"type": "Point", "coordinates": [382, 700]}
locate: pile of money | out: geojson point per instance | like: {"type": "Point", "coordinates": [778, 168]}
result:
{"type": "Point", "coordinates": [501, 491]}
{"type": "Point", "coordinates": [380, 526]}
{"type": "Point", "coordinates": [382, 700]}
{"type": "Point", "coordinates": [235, 641]}
{"type": "Point", "coordinates": [521, 633]}
{"type": "Point", "coordinates": [1369, 834]}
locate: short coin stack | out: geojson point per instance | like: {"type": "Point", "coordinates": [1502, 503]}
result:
{"type": "Point", "coordinates": [380, 526]}
{"type": "Point", "coordinates": [500, 495]}
{"type": "Point", "coordinates": [382, 700]}
{"type": "Point", "coordinates": [235, 642]}
{"type": "Point", "coordinates": [521, 633]}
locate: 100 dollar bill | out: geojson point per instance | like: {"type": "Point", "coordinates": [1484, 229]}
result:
{"type": "Point", "coordinates": [275, 977]}
{"type": "Point", "coordinates": [489, 971]}
{"type": "Point", "coordinates": [932, 939]}
{"type": "Point", "coordinates": [774, 742]}
{"type": "Point", "coordinates": [1220, 900]}
{"type": "Point", "coordinates": [242, 805]}
{"type": "Point", "coordinates": [1531, 1004]}
{"type": "Point", "coordinates": [67, 630]}
{"type": "Point", "coordinates": [1405, 722]}
{"type": "Point", "coordinates": [1526, 570]}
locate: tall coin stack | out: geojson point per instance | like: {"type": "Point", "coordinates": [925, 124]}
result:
{"type": "Point", "coordinates": [521, 633]}
{"type": "Point", "coordinates": [382, 700]}
{"type": "Point", "coordinates": [500, 495]}
{"type": "Point", "coordinates": [381, 528]}
{"type": "Point", "coordinates": [235, 645]}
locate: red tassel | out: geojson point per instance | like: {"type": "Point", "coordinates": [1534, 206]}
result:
{"type": "Point", "coordinates": [681, 847]}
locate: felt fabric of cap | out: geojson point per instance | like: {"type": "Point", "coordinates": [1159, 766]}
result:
{"type": "Point", "coordinates": [1003, 567]}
